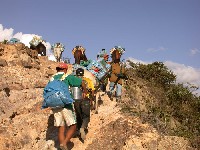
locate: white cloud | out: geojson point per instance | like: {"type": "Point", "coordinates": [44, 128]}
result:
{"type": "Point", "coordinates": [156, 49]}
{"type": "Point", "coordinates": [138, 61]}
{"type": "Point", "coordinates": [185, 74]}
{"type": "Point", "coordinates": [135, 61]}
{"type": "Point", "coordinates": [7, 34]}
{"type": "Point", "coordinates": [194, 51]}
{"type": "Point", "coordinates": [25, 38]}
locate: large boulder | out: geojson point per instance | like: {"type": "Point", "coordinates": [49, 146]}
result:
{"type": "Point", "coordinates": [18, 54]}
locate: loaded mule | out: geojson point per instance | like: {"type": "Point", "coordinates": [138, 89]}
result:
{"type": "Point", "coordinates": [117, 73]}
{"type": "Point", "coordinates": [40, 48]}
{"type": "Point", "coordinates": [37, 44]}
{"type": "Point", "coordinates": [58, 49]}
{"type": "Point", "coordinates": [94, 71]}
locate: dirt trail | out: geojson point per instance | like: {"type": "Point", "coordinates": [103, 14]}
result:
{"type": "Point", "coordinates": [107, 112]}
{"type": "Point", "coordinates": [110, 129]}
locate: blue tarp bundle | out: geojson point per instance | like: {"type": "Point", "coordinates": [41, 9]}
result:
{"type": "Point", "coordinates": [36, 40]}
{"type": "Point", "coordinates": [56, 94]}
{"type": "Point", "coordinates": [14, 41]}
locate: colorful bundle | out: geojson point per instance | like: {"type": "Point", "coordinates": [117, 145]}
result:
{"type": "Point", "coordinates": [98, 69]}
{"type": "Point", "coordinates": [36, 40]}
{"type": "Point", "coordinates": [78, 48]}
{"type": "Point", "coordinates": [102, 53]}
{"type": "Point", "coordinates": [119, 48]}
{"type": "Point", "coordinates": [14, 41]}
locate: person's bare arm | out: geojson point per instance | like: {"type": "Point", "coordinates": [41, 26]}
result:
{"type": "Point", "coordinates": [84, 88]}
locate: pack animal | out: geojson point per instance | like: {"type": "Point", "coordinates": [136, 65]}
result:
{"type": "Point", "coordinates": [58, 49]}
{"type": "Point", "coordinates": [40, 48]}
{"type": "Point", "coordinates": [79, 54]}
{"type": "Point", "coordinates": [117, 74]}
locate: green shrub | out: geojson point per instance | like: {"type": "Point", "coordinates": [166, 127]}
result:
{"type": "Point", "coordinates": [172, 101]}
{"type": "Point", "coordinates": [5, 41]}
{"type": "Point", "coordinates": [156, 72]}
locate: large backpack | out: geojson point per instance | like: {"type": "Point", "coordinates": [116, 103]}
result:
{"type": "Point", "coordinates": [56, 95]}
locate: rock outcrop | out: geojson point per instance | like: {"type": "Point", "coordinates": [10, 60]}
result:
{"type": "Point", "coordinates": [23, 77]}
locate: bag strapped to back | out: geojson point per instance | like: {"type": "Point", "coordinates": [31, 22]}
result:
{"type": "Point", "coordinates": [56, 94]}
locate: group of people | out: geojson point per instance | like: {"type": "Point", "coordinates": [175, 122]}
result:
{"type": "Point", "coordinates": [74, 117]}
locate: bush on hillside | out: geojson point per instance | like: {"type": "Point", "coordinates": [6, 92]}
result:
{"type": "Point", "coordinates": [156, 72]}
{"type": "Point", "coordinates": [4, 42]}
{"type": "Point", "coordinates": [175, 110]}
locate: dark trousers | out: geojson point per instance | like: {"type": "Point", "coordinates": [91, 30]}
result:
{"type": "Point", "coordinates": [82, 108]}
{"type": "Point", "coordinates": [103, 87]}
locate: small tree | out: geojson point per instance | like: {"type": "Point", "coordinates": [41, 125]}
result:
{"type": "Point", "coordinates": [5, 41]}
{"type": "Point", "coordinates": [156, 72]}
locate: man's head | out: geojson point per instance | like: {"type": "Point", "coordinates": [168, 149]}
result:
{"type": "Point", "coordinates": [80, 72]}
{"type": "Point", "coordinates": [62, 67]}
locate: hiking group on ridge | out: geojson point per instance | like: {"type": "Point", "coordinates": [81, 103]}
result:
{"type": "Point", "coordinates": [73, 115]}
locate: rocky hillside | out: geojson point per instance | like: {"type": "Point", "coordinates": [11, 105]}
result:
{"type": "Point", "coordinates": [23, 75]}
{"type": "Point", "coordinates": [23, 125]}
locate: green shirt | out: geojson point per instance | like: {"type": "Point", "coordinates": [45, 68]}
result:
{"type": "Point", "coordinates": [70, 80]}
{"type": "Point", "coordinates": [73, 81]}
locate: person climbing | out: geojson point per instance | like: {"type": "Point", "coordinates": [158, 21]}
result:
{"type": "Point", "coordinates": [82, 105]}
{"type": "Point", "coordinates": [65, 116]}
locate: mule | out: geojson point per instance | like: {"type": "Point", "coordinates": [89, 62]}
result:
{"type": "Point", "coordinates": [58, 49]}
{"type": "Point", "coordinates": [101, 85]}
{"type": "Point", "coordinates": [40, 48]}
{"type": "Point", "coordinates": [117, 75]}
{"type": "Point", "coordinates": [79, 54]}
{"type": "Point", "coordinates": [116, 56]}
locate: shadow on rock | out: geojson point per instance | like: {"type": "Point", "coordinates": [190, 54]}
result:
{"type": "Point", "coordinates": [52, 131]}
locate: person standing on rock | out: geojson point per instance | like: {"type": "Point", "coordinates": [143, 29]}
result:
{"type": "Point", "coordinates": [65, 116]}
{"type": "Point", "coordinates": [82, 105]}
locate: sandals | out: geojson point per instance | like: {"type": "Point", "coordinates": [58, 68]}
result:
{"type": "Point", "coordinates": [82, 132]}
{"type": "Point", "coordinates": [63, 147]}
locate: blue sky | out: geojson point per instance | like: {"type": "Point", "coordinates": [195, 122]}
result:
{"type": "Point", "coordinates": [150, 30]}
